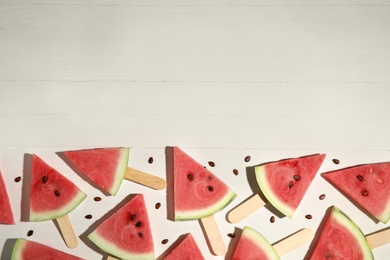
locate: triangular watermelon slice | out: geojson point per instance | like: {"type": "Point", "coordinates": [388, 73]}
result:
{"type": "Point", "coordinates": [186, 250]}
{"type": "Point", "coordinates": [198, 193]}
{"type": "Point", "coordinates": [6, 215]}
{"type": "Point", "coordinates": [104, 166]}
{"type": "Point", "coordinates": [252, 245]}
{"type": "Point", "coordinates": [340, 238]}
{"type": "Point", "coordinates": [51, 194]}
{"type": "Point", "coordinates": [285, 182]}
{"type": "Point", "coordinates": [126, 233]}
{"type": "Point", "coordinates": [367, 185]}
{"type": "Point", "coordinates": [30, 250]}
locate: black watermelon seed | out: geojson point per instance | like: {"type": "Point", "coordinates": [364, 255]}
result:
{"type": "Point", "coordinates": [18, 179]}
{"type": "Point", "coordinates": [308, 216]}
{"type": "Point", "coordinates": [231, 235]}
{"type": "Point", "coordinates": [30, 233]}
{"type": "Point", "coordinates": [247, 158]}
{"type": "Point", "coordinates": [272, 219]}
{"type": "Point", "coordinates": [140, 234]}
{"type": "Point", "coordinates": [190, 176]}
{"type": "Point", "coordinates": [89, 216]}
{"type": "Point", "coordinates": [138, 224]}
{"type": "Point", "coordinates": [290, 184]}
{"type": "Point", "coordinates": [212, 164]}
{"type": "Point", "coordinates": [57, 193]}
{"type": "Point", "coordinates": [97, 199]}
{"type": "Point", "coordinates": [322, 196]}
{"type": "Point", "coordinates": [211, 188]}
{"type": "Point", "coordinates": [133, 216]}
{"type": "Point", "coordinates": [235, 171]}
{"type": "Point", "coordinates": [359, 177]}
{"type": "Point", "coordinates": [297, 177]}
{"type": "Point", "coordinates": [328, 256]}
{"type": "Point", "coordinates": [365, 192]}
{"type": "Point", "coordinates": [150, 160]}
{"type": "Point", "coordinates": [44, 179]}
{"type": "Point", "coordinates": [164, 241]}
{"type": "Point", "coordinates": [335, 161]}
{"type": "Point", "coordinates": [158, 205]}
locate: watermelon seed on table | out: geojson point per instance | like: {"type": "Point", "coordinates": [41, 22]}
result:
{"type": "Point", "coordinates": [107, 167]}
{"type": "Point", "coordinates": [283, 183]}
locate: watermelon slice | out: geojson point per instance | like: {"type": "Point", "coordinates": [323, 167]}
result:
{"type": "Point", "coordinates": [285, 182]}
{"type": "Point", "coordinates": [30, 250]}
{"type": "Point", "coordinates": [252, 245]}
{"type": "Point", "coordinates": [104, 166]}
{"type": "Point", "coordinates": [6, 215]}
{"type": "Point", "coordinates": [51, 194]}
{"type": "Point", "coordinates": [186, 250]}
{"type": "Point", "coordinates": [340, 238]}
{"type": "Point", "coordinates": [367, 185]}
{"type": "Point", "coordinates": [198, 193]}
{"type": "Point", "coordinates": [126, 233]}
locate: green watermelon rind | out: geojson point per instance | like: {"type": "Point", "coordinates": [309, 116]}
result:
{"type": "Point", "coordinates": [354, 229]}
{"type": "Point", "coordinates": [120, 170]}
{"type": "Point", "coordinates": [202, 213]}
{"type": "Point", "coordinates": [49, 215]}
{"type": "Point", "coordinates": [18, 248]}
{"type": "Point", "coordinates": [263, 183]}
{"type": "Point", "coordinates": [260, 241]}
{"type": "Point", "coordinates": [109, 247]}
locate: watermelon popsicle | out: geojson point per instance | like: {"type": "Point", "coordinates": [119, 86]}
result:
{"type": "Point", "coordinates": [367, 185]}
{"type": "Point", "coordinates": [107, 167]}
{"type": "Point", "coordinates": [283, 183]}
{"type": "Point", "coordinates": [252, 245]}
{"type": "Point", "coordinates": [338, 237]}
{"type": "Point", "coordinates": [197, 195]}
{"type": "Point", "coordinates": [52, 197]}
{"type": "Point", "coordinates": [6, 214]}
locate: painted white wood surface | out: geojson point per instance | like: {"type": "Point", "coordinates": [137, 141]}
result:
{"type": "Point", "coordinates": [222, 79]}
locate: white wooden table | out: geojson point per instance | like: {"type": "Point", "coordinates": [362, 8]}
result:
{"type": "Point", "coordinates": [220, 79]}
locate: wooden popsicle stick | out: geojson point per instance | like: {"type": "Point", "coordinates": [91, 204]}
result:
{"type": "Point", "coordinates": [67, 231]}
{"type": "Point", "coordinates": [110, 257]}
{"type": "Point", "coordinates": [293, 241]}
{"type": "Point", "coordinates": [213, 235]}
{"type": "Point", "coordinates": [144, 178]}
{"type": "Point", "coordinates": [246, 208]}
{"type": "Point", "coordinates": [379, 238]}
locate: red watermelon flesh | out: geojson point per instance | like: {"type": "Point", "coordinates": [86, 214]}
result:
{"type": "Point", "coordinates": [51, 194]}
{"type": "Point", "coordinates": [104, 166]}
{"type": "Point", "coordinates": [30, 250]}
{"type": "Point", "coordinates": [284, 183]}
{"type": "Point", "coordinates": [340, 238]}
{"type": "Point", "coordinates": [126, 233]}
{"type": "Point", "coordinates": [367, 185]}
{"type": "Point", "coordinates": [198, 193]}
{"type": "Point", "coordinates": [253, 246]}
{"type": "Point", "coordinates": [186, 250]}
{"type": "Point", "coordinates": [6, 215]}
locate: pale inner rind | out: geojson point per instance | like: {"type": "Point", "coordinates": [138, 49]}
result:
{"type": "Point", "coordinates": [48, 215]}
{"type": "Point", "coordinates": [111, 248]}
{"type": "Point", "coordinates": [259, 240]}
{"type": "Point", "coordinates": [120, 170]}
{"type": "Point", "coordinates": [198, 214]}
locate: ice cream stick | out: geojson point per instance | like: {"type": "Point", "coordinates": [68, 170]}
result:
{"type": "Point", "coordinates": [293, 241]}
{"type": "Point", "coordinates": [67, 231]}
{"type": "Point", "coordinates": [379, 238]}
{"type": "Point", "coordinates": [246, 208]}
{"type": "Point", "coordinates": [144, 178]}
{"type": "Point", "coordinates": [213, 235]}
{"type": "Point", "coordinates": [110, 257]}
